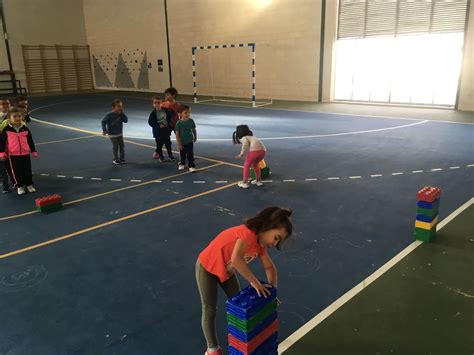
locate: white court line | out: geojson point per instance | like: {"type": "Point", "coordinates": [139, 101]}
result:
{"type": "Point", "coordinates": [61, 176]}
{"type": "Point", "coordinates": [267, 180]}
{"type": "Point", "coordinates": [44, 174]}
{"type": "Point", "coordinates": [311, 179]}
{"type": "Point", "coordinates": [177, 182]}
{"type": "Point", "coordinates": [199, 182]}
{"type": "Point", "coordinates": [454, 167]}
{"type": "Point", "coordinates": [436, 169]}
{"type": "Point", "coordinates": [78, 177]}
{"type": "Point", "coordinates": [221, 182]}
{"type": "Point", "coordinates": [355, 177]}
{"type": "Point", "coordinates": [158, 181]}
{"type": "Point", "coordinates": [400, 173]}
{"type": "Point", "coordinates": [333, 178]}
{"type": "Point", "coordinates": [97, 179]}
{"type": "Point", "coordinates": [289, 180]}
{"type": "Point", "coordinates": [376, 175]}
{"type": "Point", "coordinates": [470, 165]}
{"type": "Point", "coordinates": [306, 328]}
{"type": "Point", "coordinates": [135, 180]}
{"type": "Point", "coordinates": [417, 171]}
{"type": "Point", "coordinates": [115, 179]}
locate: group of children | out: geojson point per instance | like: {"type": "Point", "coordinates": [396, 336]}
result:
{"type": "Point", "coordinates": [169, 116]}
{"type": "Point", "coordinates": [16, 146]}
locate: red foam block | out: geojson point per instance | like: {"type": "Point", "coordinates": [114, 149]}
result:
{"type": "Point", "coordinates": [48, 200]}
{"type": "Point", "coordinates": [428, 194]}
{"type": "Point", "coordinates": [247, 348]}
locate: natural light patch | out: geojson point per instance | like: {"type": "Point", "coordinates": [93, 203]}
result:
{"type": "Point", "coordinates": [421, 69]}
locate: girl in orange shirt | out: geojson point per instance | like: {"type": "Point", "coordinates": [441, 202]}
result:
{"type": "Point", "coordinates": [231, 251]}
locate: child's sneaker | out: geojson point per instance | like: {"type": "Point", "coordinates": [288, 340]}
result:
{"type": "Point", "coordinates": [243, 185]}
{"type": "Point", "coordinates": [162, 160]}
{"type": "Point", "coordinates": [6, 189]}
{"type": "Point", "coordinates": [155, 155]}
{"type": "Point", "coordinates": [171, 158]}
{"type": "Point", "coordinates": [122, 161]}
{"type": "Point", "coordinates": [257, 183]}
{"type": "Point", "coordinates": [192, 170]}
{"type": "Point", "coordinates": [215, 352]}
{"type": "Point", "coordinates": [116, 161]}
{"type": "Point", "coordinates": [31, 188]}
{"type": "Point", "coordinates": [180, 167]}
{"type": "Point", "coordinates": [21, 190]}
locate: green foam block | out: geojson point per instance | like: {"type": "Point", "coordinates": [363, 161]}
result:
{"type": "Point", "coordinates": [423, 234]}
{"type": "Point", "coordinates": [50, 208]}
{"type": "Point", "coordinates": [264, 173]}
{"type": "Point", "coordinates": [427, 212]}
{"type": "Point", "coordinates": [248, 325]}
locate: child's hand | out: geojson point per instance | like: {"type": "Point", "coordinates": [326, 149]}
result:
{"type": "Point", "coordinates": [194, 140]}
{"type": "Point", "coordinates": [181, 147]}
{"type": "Point", "coordinates": [262, 290]}
{"type": "Point", "coordinates": [104, 133]}
{"type": "Point", "coordinates": [3, 158]}
{"type": "Point", "coordinates": [278, 301]}
{"type": "Point", "coordinates": [34, 155]}
{"type": "Point", "coordinates": [238, 157]}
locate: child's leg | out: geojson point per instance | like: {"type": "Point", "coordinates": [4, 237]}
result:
{"type": "Point", "coordinates": [121, 145]}
{"type": "Point", "coordinates": [258, 157]}
{"type": "Point", "coordinates": [182, 156]}
{"type": "Point", "coordinates": [114, 141]}
{"type": "Point", "coordinates": [231, 287]}
{"type": "Point", "coordinates": [168, 145]}
{"type": "Point", "coordinates": [190, 154]}
{"type": "Point", "coordinates": [14, 170]}
{"type": "Point", "coordinates": [28, 175]}
{"type": "Point", "coordinates": [159, 146]}
{"type": "Point", "coordinates": [249, 161]}
{"type": "Point", "coordinates": [4, 173]}
{"type": "Point", "coordinates": [207, 285]}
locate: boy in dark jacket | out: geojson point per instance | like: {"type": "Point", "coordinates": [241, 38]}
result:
{"type": "Point", "coordinates": [160, 121]}
{"type": "Point", "coordinates": [112, 126]}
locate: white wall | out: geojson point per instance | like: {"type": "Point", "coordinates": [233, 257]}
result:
{"type": "Point", "coordinates": [130, 29]}
{"type": "Point", "coordinates": [46, 22]}
{"type": "Point", "coordinates": [466, 93]}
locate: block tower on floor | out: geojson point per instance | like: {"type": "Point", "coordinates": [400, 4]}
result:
{"type": "Point", "coordinates": [264, 170]}
{"type": "Point", "coordinates": [252, 323]}
{"type": "Point", "coordinates": [427, 213]}
{"type": "Point", "coordinates": [49, 203]}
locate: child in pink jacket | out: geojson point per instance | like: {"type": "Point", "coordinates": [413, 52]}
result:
{"type": "Point", "coordinates": [16, 145]}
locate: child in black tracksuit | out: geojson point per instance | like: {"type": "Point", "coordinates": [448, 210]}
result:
{"type": "Point", "coordinates": [160, 121]}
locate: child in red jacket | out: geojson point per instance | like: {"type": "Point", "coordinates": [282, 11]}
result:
{"type": "Point", "coordinates": [16, 145]}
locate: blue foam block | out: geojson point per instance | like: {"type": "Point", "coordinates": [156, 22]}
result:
{"type": "Point", "coordinates": [248, 336]}
{"type": "Point", "coordinates": [268, 347]}
{"type": "Point", "coordinates": [428, 205]}
{"type": "Point", "coordinates": [247, 302]}
{"type": "Point", "coordinates": [423, 218]}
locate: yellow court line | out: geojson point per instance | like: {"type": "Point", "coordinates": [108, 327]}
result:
{"type": "Point", "coordinates": [110, 192]}
{"type": "Point", "coordinates": [128, 141]}
{"type": "Point", "coordinates": [67, 140]}
{"type": "Point", "coordinates": [118, 220]}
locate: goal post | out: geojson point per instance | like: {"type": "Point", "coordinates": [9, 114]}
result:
{"type": "Point", "coordinates": [227, 97]}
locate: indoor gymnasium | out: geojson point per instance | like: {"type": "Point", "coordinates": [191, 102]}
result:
{"type": "Point", "coordinates": [253, 177]}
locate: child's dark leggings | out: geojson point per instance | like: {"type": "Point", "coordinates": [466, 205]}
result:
{"type": "Point", "coordinates": [187, 152]}
{"type": "Point", "coordinates": [118, 147]}
{"type": "Point", "coordinates": [207, 285]}
{"type": "Point", "coordinates": [163, 139]}
{"type": "Point", "coordinates": [21, 170]}
{"type": "Point", "coordinates": [4, 171]}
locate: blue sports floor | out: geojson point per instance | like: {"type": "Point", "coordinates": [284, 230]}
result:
{"type": "Point", "coordinates": [113, 272]}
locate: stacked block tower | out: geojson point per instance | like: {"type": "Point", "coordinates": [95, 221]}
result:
{"type": "Point", "coordinates": [427, 213]}
{"type": "Point", "coordinates": [49, 203]}
{"type": "Point", "coordinates": [264, 170]}
{"type": "Point", "coordinates": [252, 323]}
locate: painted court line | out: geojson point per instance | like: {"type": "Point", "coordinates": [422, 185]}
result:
{"type": "Point", "coordinates": [289, 180]}
{"type": "Point", "coordinates": [376, 175]}
{"type": "Point", "coordinates": [44, 174]}
{"type": "Point", "coordinates": [61, 176]}
{"type": "Point", "coordinates": [199, 182]}
{"type": "Point", "coordinates": [67, 140]}
{"type": "Point", "coordinates": [470, 165]}
{"type": "Point", "coordinates": [333, 178]}
{"type": "Point", "coordinates": [78, 177]}
{"type": "Point", "coordinates": [221, 182]}
{"type": "Point", "coordinates": [399, 173]}
{"type": "Point", "coordinates": [302, 331]}
{"type": "Point", "coordinates": [355, 177]}
{"type": "Point", "coordinates": [118, 220]}
{"type": "Point", "coordinates": [455, 167]}
{"type": "Point", "coordinates": [115, 179]}
{"type": "Point", "coordinates": [436, 169]}
{"type": "Point", "coordinates": [311, 179]}
{"type": "Point", "coordinates": [135, 180]}
{"type": "Point", "coordinates": [417, 171]}
{"type": "Point", "coordinates": [95, 178]}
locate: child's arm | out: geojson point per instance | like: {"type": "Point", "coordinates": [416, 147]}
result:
{"type": "Point", "coordinates": [270, 270]}
{"type": "Point", "coordinates": [123, 117]}
{"type": "Point", "coordinates": [178, 137]}
{"type": "Point", "coordinates": [105, 120]}
{"type": "Point", "coordinates": [245, 144]}
{"type": "Point", "coordinates": [241, 266]}
{"type": "Point", "coordinates": [195, 135]}
{"type": "Point", "coordinates": [3, 145]}
{"type": "Point", "coordinates": [152, 119]}
{"type": "Point", "coordinates": [31, 143]}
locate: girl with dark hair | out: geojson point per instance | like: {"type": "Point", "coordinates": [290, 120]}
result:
{"type": "Point", "coordinates": [229, 253]}
{"type": "Point", "coordinates": [243, 135]}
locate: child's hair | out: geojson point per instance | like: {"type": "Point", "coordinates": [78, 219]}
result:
{"type": "Point", "coordinates": [172, 92]}
{"type": "Point", "coordinates": [20, 98]}
{"type": "Point", "coordinates": [116, 102]}
{"type": "Point", "coordinates": [183, 108]}
{"type": "Point", "coordinates": [155, 97]}
{"type": "Point", "coordinates": [241, 131]}
{"type": "Point", "coordinates": [270, 218]}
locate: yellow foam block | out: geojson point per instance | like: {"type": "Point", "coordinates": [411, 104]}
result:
{"type": "Point", "coordinates": [426, 225]}
{"type": "Point", "coordinates": [262, 164]}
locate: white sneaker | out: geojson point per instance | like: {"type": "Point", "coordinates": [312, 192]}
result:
{"type": "Point", "coordinates": [180, 167]}
{"type": "Point", "coordinates": [257, 183]}
{"type": "Point", "coordinates": [192, 170]}
{"type": "Point", "coordinates": [31, 188]}
{"type": "Point", "coordinates": [243, 185]}
{"type": "Point", "coordinates": [21, 190]}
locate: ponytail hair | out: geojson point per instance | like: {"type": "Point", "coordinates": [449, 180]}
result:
{"type": "Point", "coordinates": [271, 218]}
{"type": "Point", "coordinates": [240, 132]}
